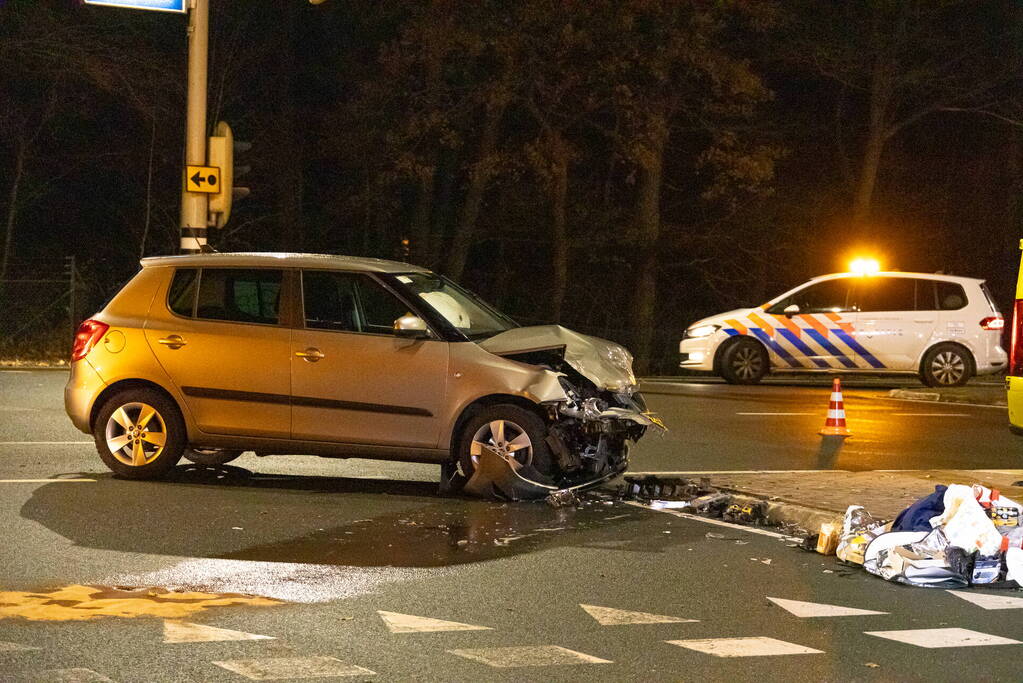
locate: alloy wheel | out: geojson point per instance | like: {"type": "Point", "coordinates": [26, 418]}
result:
{"type": "Point", "coordinates": [747, 363]}
{"type": "Point", "coordinates": [504, 437]}
{"type": "Point", "coordinates": [136, 434]}
{"type": "Point", "coordinates": [948, 367]}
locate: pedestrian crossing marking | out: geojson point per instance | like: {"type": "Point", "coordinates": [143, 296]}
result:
{"type": "Point", "coordinates": [409, 623]}
{"type": "Point", "coordinates": [757, 646]}
{"type": "Point", "coordinates": [608, 616]}
{"type": "Point", "coordinates": [819, 609]}
{"type": "Point", "coordinates": [943, 637]}
{"type": "Point", "coordinates": [15, 647]}
{"type": "Point", "coordinates": [535, 655]}
{"type": "Point", "coordinates": [277, 668]}
{"type": "Point", "coordinates": [988, 601]}
{"type": "Point", "coordinates": [185, 632]}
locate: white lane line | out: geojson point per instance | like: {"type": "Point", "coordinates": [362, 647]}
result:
{"type": "Point", "coordinates": [944, 403]}
{"type": "Point", "coordinates": [930, 415]}
{"type": "Point", "coordinates": [609, 616]}
{"type": "Point", "coordinates": [715, 522]}
{"type": "Point", "coordinates": [943, 637]}
{"type": "Point", "coordinates": [41, 481]}
{"type": "Point", "coordinates": [184, 632]}
{"type": "Point", "coordinates": [776, 413]}
{"type": "Point", "coordinates": [47, 443]}
{"type": "Point", "coordinates": [77, 675]}
{"type": "Point", "coordinates": [697, 472]}
{"type": "Point", "coordinates": [988, 601]}
{"type": "Point", "coordinates": [819, 609]}
{"type": "Point", "coordinates": [409, 623]}
{"type": "Point", "coordinates": [274, 668]}
{"type": "Point", "coordinates": [758, 646]}
{"type": "Point", "coordinates": [536, 655]}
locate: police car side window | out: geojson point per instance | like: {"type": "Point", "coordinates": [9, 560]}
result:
{"type": "Point", "coordinates": [951, 296]}
{"type": "Point", "coordinates": [887, 294]}
{"type": "Point", "coordinates": [829, 296]}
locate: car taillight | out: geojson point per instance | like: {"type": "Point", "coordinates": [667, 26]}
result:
{"type": "Point", "coordinates": [993, 322]}
{"type": "Point", "coordinates": [89, 332]}
{"type": "Point", "coordinates": [1016, 345]}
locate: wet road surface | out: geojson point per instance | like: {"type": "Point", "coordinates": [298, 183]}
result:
{"type": "Point", "coordinates": [369, 574]}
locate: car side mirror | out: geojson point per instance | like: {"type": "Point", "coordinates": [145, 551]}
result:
{"type": "Point", "coordinates": [411, 327]}
{"type": "Point", "coordinates": [791, 310]}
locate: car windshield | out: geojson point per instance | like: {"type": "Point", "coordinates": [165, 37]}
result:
{"type": "Point", "coordinates": [466, 312]}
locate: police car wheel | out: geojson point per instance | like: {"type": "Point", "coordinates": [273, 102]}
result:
{"type": "Point", "coordinates": [946, 365]}
{"type": "Point", "coordinates": [744, 362]}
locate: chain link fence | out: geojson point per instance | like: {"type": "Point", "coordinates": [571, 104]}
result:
{"type": "Point", "coordinates": [40, 300]}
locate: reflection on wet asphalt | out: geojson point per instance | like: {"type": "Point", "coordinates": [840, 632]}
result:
{"type": "Point", "coordinates": [309, 538]}
{"type": "Point", "coordinates": [455, 532]}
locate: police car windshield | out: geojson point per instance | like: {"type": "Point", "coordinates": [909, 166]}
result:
{"type": "Point", "coordinates": [466, 312]}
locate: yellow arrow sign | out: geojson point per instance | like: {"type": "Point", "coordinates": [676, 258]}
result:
{"type": "Point", "coordinates": [202, 179]}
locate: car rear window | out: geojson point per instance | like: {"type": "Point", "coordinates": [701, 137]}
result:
{"type": "Point", "coordinates": [239, 295]}
{"type": "Point", "coordinates": [181, 298]}
{"type": "Point", "coordinates": [950, 296]}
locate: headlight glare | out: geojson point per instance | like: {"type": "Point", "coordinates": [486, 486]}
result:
{"type": "Point", "coordinates": [701, 331]}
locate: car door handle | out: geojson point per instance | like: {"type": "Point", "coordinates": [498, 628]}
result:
{"type": "Point", "coordinates": [174, 341]}
{"type": "Point", "coordinates": [923, 320]}
{"type": "Point", "coordinates": [310, 355]}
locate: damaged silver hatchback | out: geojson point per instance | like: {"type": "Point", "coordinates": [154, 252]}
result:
{"type": "Point", "coordinates": [211, 355]}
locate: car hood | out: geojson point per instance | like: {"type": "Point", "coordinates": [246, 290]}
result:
{"type": "Point", "coordinates": [606, 364]}
{"type": "Point", "coordinates": [721, 317]}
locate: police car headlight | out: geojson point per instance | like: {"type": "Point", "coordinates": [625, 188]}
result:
{"type": "Point", "coordinates": [701, 331]}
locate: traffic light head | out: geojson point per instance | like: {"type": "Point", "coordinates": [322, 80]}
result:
{"type": "Point", "coordinates": [222, 150]}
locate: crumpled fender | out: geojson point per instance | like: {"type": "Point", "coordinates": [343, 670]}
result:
{"type": "Point", "coordinates": [505, 478]}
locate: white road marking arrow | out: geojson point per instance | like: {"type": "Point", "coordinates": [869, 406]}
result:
{"type": "Point", "coordinates": [608, 616]}
{"type": "Point", "coordinates": [185, 632]}
{"type": "Point", "coordinates": [819, 609]}
{"type": "Point", "coordinates": [409, 623]}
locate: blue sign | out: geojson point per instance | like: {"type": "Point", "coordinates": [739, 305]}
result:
{"type": "Point", "coordinates": [160, 5]}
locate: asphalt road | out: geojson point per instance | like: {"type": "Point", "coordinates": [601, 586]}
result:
{"type": "Point", "coordinates": [715, 426]}
{"type": "Point", "coordinates": [350, 549]}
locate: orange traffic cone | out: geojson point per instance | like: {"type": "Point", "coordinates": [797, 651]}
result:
{"type": "Point", "coordinates": [835, 424]}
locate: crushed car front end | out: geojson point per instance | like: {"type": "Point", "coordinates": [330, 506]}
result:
{"type": "Point", "coordinates": [592, 422]}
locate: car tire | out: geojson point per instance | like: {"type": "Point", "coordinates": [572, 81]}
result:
{"type": "Point", "coordinates": [946, 365]}
{"type": "Point", "coordinates": [518, 423]}
{"type": "Point", "coordinates": [148, 426]}
{"type": "Point", "coordinates": [211, 456]}
{"type": "Point", "coordinates": [744, 361]}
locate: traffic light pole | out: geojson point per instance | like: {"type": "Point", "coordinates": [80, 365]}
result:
{"type": "Point", "coordinates": [194, 205]}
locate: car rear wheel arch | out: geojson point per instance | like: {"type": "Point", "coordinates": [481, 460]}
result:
{"type": "Point", "coordinates": [122, 385]}
{"type": "Point", "coordinates": [931, 352]}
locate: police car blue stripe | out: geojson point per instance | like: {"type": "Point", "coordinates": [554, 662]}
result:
{"type": "Point", "coordinates": [731, 333]}
{"type": "Point", "coordinates": [803, 348]}
{"type": "Point", "coordinates": [831, 348]}
{"type": "Point", "coordinates": [855, 346]}
{"type": "Point", "coordinates": [776, 347]}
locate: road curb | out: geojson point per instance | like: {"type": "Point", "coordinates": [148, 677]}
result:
{"type": "Point", "coordinates": [785, 514]}
{"type": "Point", "coordinates": [909, 395]}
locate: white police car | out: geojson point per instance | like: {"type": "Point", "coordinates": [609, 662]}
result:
{"type": "Point", "coordinates": [943, 328]}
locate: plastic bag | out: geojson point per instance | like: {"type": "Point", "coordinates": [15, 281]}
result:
{"type": "Point", "coordinates": [966, 524]}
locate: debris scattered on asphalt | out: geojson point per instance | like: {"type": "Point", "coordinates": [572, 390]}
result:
{"type": "Point", "coordinates": [562, 499]}
{"type": "Point", "coordinates": [956, 537]}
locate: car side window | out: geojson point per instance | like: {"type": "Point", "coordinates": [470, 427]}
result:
{"type": "Point", "coordinates": [181, 296]}
{"type": "Point", "coordinates": [329, 300]}
{"type": "Point", "coordinates": [379, 307]}
{"type": "Point", "coordinates": [950, 295]}
{"type": "Point", "coordinates": [829, 296]}
{"type": "Point", "coordinates": [239, 295]}
{"type": "Point", "coordinates": [875, 294]}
